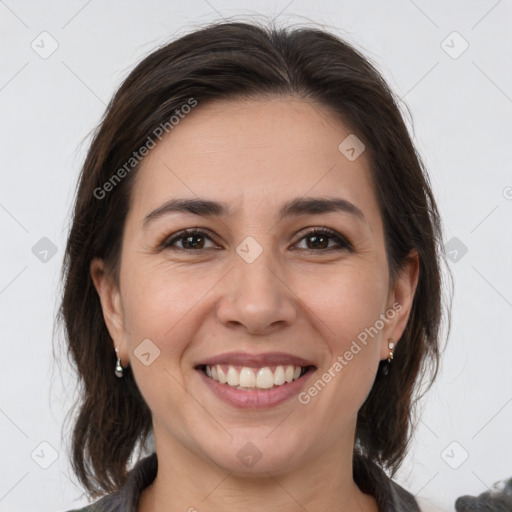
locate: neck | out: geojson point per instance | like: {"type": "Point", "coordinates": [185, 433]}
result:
{"type": "Point", "coordinates": [186, 481]}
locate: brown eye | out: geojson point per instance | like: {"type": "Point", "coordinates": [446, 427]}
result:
{"type": "Point", "coordinates": [319, 239]}
{"type": "Point", "coordinates": [190, 240]}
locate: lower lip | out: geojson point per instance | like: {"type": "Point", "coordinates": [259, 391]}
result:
{"type": "Point", "coordinates": [259, 398]}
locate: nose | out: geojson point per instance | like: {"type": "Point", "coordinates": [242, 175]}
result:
{"type": "Point", "coordinates": [256, 297]}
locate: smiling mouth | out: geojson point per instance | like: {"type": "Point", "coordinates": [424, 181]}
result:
{"type": "Point", "coordinates": [249, 378]}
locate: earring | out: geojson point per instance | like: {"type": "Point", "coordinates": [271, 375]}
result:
{"type": "Point", "coordinates": [119, 371]}
{"type": "Point", "coordinates": [391, 346]}
{"type": "Point", "coordinates": [385, 367]}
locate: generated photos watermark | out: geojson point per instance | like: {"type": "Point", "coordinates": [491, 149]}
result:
{"type": "Point", "coordinates": [137, 156]}
{"type": "Point", "coordinates": [342, 360]}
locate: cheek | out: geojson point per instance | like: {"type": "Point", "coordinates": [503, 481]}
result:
{"type": "Point", "coordinates": [345, 303]}
{"type": "Point", "coordinates": [156, 299]}
{"type": "Point", "coordinates": [346, 311]}
{"type": "Point", "coordinates": [160, 305]}
{"type": "Point", "coordinates": [165, 304]}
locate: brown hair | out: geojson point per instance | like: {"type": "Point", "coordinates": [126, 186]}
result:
{"type": "Point", "coordinates": [240, 60]}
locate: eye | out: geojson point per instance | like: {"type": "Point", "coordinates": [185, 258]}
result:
{"type": "Point", "coordinates": [320, 238]}
{"type": "Point", "coordinates": [191, 239]}
{"type": "Point", "coordinates": [317, 240]}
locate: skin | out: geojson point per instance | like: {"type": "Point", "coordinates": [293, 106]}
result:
{"type": "Point", "coordinates": [254, 155]}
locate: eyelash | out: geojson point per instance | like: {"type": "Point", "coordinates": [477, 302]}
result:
{"type": "Point", "coordinates": [343, 244]}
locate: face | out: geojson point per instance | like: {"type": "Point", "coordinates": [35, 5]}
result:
{"type": "Point", "coordinates": [268, 283]}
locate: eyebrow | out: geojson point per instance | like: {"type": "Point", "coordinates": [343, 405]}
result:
{"type": "Point", "coordinates": [295, 207]}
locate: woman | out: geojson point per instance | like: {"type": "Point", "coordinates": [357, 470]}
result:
{"type": "Point", "coordinates": [252, 278]}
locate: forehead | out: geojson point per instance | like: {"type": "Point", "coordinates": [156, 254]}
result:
{"type": "Point", "coordinates": [254, 153]}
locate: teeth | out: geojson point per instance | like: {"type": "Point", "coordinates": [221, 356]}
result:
{"type": "Point", "coordinates": [253, 378]}
{"type": "Point", "coordinates": [265, 379]}
{"type": "Point", "coordinates": [233, 377]}
{"type": "Point", "coordinates": [247, 378]}
{"type": "Point", "coordinates": [223, 378]}
{"type": "Point", "coordinates": [279, 377]}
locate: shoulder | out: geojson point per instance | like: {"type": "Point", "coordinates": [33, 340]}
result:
{"type": "Point", "coordinates": [98, 506]}
{"type": "Point", "coordinates": [85, 509]}
{"type": "Point", "coordinates": [390, 496]}
{"type": "Point", "coordinates": [125, 499]}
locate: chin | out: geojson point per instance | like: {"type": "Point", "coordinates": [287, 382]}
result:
{"type": "Point", "coordinates": [253, 452]}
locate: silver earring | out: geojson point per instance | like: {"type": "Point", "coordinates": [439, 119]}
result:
{"type": "Point", "coordinates": [119, 371]}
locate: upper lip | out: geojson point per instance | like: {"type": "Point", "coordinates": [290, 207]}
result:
{"type": "Point", "coordinates": [256, 360]}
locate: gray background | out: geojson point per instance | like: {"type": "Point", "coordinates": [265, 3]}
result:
{"type": "Point", "coordinates": [461, 109]}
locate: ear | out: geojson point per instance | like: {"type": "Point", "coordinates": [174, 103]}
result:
{"type": "Point", "coordinates": [400, 301]}
{"type": "Point", "coordinates": [111, 305]}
